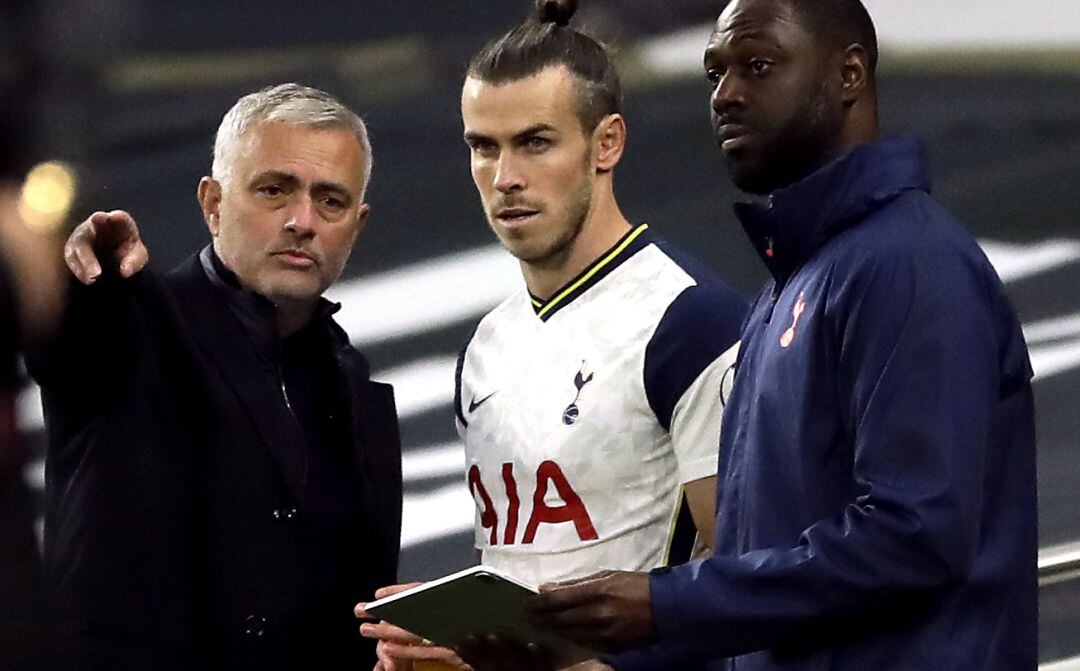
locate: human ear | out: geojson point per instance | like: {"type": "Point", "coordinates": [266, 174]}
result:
{"type": "Point", "coordinates": [362, 216]}
{"type": "Point", "coordinates": [855, 74]}
{"type": "Point", "coordinates": [610, 141]}
{"type": "Point", "coordinates": [210, 202]}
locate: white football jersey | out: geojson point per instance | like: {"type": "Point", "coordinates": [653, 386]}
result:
{"type": "Point", "coordinates": [583, 416]}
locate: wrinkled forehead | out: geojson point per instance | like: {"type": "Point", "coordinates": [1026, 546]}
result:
{"type": "Point", "coordinates": [310, 153]}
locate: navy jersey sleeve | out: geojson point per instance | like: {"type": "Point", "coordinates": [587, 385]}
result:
{"type": "Point", "coordinates": [919, 372]}
{"type": "Point", "coordinates": [689, 363]}
{"type": "Point", "coordinates": [699, 326]}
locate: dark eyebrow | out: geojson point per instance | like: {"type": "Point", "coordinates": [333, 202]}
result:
{"type": "Point", "coordinates": [533, 130]}
{"type": "Point", "coordinates": [471, 137]}
{"type": "Point", "coordinates": [277, 176]}
{"type": "Point", "coordinates": [294, 181]}
{"type": "Point", "coordinates": [325, 185]}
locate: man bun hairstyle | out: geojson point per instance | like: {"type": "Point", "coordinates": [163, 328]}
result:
{"type": "Point", "coordinates": [558, 12]}
{"type": "Point", "coordinates": [548, 41]}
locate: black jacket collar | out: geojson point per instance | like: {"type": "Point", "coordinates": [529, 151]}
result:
{"type": "Point", "coordinates": [798, 219]}
{"type": "Point", "coordinates": [255, 311]}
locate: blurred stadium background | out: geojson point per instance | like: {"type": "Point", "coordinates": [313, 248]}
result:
{"type": "Point", "coordinates": [131, 91]}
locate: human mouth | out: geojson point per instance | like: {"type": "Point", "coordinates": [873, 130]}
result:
{"type": "Point", "coordinates": [733, 136]}
{"type": "Point", "coordinates": [515, 216]}
{"type": "Point", "coordinates": [295, 258]}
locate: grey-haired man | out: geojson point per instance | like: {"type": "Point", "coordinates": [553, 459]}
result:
{"type": "Point", "coordinates": [223, 478]}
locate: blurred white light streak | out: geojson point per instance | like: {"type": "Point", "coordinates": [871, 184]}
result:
{"type": "Point", "coordinates": [425, 296]}
{"type": "Point", "coordinates": [436, 461]}
{"type": "Point", "coordinates": [431, 515]}
{"type": "Point", "coordinates": [422, 385]}
{"type": "Point", "coordinates": [1050, 360]}
{"type": "Point", "coordinates": [1015, 262]}
{"type": "Point", "coordinates": [678, 53]}
{"type": "Point", "coordinates": [957, 25]}
{"type": "Point", "coordinates": [1052, 329]}
{"type": "Point", "coordinates": [1072, 664]}
{"type": "Point", "coordinates": [910, 26]}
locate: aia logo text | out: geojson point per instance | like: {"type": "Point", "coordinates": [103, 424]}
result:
{"type": "Point", "coordinates": [548, 474]}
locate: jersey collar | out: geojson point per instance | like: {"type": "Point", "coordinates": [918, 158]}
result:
{"type": "Point", "coordinates": [627, 246]}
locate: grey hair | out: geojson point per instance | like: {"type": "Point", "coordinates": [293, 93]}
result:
{"type": "Point", "coordinates": [285, 103]}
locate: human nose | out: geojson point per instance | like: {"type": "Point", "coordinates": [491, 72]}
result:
{"type": "Point", "coordinates": [302, 217]}
{"type": "Point", "coordinates": [507, 175]}
{"type": "Point", "coordinates": [727, 93]}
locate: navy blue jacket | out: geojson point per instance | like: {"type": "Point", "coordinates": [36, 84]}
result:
{"type": "Point", "coordinates": [876, 503]}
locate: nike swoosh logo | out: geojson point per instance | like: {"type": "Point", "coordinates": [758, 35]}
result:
{"type": "Point", "coordinates": [474, 404]}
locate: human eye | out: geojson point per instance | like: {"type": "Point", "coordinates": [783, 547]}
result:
{"type": "Point", "coordinates": [334, 203]}
{"type": "Point", "coordinates": [537, 143]}
{"type": "Point", "coordinates": [270, 190]}
{"type": "Point", "coordinates": [760, 66]}
{"type": "Point", "coordinates": [484, 148]}
{"type": "Point", "coordinates": [713, 76]}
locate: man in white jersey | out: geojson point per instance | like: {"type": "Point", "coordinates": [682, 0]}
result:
{"type": "Point", "coordinates": [588, 402]}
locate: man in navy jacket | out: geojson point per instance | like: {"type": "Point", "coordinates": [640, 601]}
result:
{"type": "Point", "coordinates": [876, 501]}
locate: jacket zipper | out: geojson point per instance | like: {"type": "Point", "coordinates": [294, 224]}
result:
{"type": "Point", "coordinates": [285, 396]}
{"type": "Point", "coordinates": [295, 421]}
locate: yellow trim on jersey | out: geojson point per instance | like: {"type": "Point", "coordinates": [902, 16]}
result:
{"type": "Point", "coordinates": [535, 302]}
{"type": "Point", "coordinates": [674, 523]}
{"type": "Point", "coordinates": [592, 271]}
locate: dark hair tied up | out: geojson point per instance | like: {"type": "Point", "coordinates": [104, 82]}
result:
{"type": "Point", "coordinates": [558, 12]}
{"type": "Point", "coordinates": [547, 41]}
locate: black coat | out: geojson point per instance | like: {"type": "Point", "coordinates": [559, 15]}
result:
{"type": "Point", "coordinates": [175, 533]}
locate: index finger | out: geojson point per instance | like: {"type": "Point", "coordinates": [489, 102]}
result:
{"type": "Point", "coordinates": [384, 631]}
{"type": "Point", "coordinates": [121, 217]}
{"type": "Point", "coordinates": [549, 586]}
{"type": "Point", "coordinates": [391, 590]}
{"type": "Point", "coordinates": [98, 218]}
{"type": "Point", "coordinates": [79, 251]}
{"type": "Point", "coordinates": [360, 610]}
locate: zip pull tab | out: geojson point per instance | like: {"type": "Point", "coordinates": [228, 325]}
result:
{"type": "Point", "coordinates": [770, 259]}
